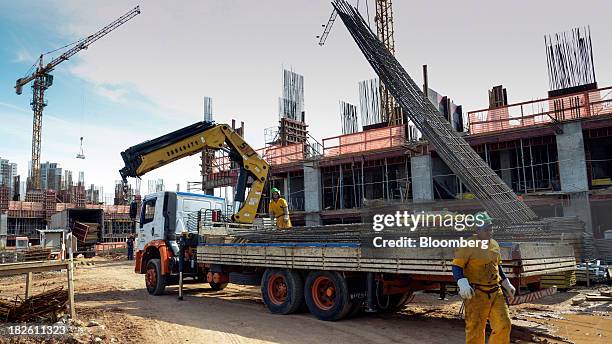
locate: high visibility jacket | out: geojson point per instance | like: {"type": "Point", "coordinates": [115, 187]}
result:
{"type": "Point", "coordinates": [277, 209]}
{"type": "Point", "coordinates": [480, 266]}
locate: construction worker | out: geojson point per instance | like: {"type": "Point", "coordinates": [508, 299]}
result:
{"type": "Point", "coordinates": [279, 210]}
{"type": "Point", "coordinates": [130, 247]}
{"type": "Point", "coordinates": [478, 273]}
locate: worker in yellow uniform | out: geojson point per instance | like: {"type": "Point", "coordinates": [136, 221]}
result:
{"type": "Point", "coordinates": [480, 278]}
{"type": "Point", "coordinates": [279, 210]}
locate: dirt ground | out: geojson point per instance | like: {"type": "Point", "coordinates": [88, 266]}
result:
{"type": "Point", "coordinates": [114, 307]}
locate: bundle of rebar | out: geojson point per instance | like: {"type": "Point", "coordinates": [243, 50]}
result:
{"type": "Point", "coordinates": [556, 229]}
{"type": "Point", "coordinates": [569, 56]}
{"type": "Point", "coordinates": [497, 198]}
{"type": "Point", "coordinates": [40, 307]}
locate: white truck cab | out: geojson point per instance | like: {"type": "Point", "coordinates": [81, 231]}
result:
{"type": "Point", "coordinates": [165, 214]}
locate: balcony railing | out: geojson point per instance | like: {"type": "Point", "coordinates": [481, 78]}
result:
{"type": "Point", "coordinates": [563, 108]}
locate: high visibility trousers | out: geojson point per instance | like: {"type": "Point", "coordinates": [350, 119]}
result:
{"type": "Point", "coordinates": [482, 307]}
{"type": "Point", "coordinates": [282, 224]}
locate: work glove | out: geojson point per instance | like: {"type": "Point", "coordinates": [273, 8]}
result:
{"type": "Point", "coordinates": [465, 289]}
{"type": "Point", "coordinates": [286, 217]}
{"type": "Point", "coordinates": [508, 287]}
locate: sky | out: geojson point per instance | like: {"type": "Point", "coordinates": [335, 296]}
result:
{"type": "Point", "coordinates": [149, 76]}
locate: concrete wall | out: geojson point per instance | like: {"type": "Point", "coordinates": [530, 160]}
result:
{"type": "Point", "coordinates": [572, 164]}
{"type": "Point", "coordinates": [422, 183]}
{"type": "Point", "coordinates": [312, 194]}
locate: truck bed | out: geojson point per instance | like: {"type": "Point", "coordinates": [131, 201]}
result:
{"type": "Point", "coordinates": [520, 260]}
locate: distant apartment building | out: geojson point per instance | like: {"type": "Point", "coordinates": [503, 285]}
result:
{"type": "Point", "coordinates": [50, 176]}
{"type": "Point", "coordinates": [8, 172]}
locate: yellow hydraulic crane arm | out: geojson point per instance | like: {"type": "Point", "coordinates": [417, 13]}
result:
{"type": "Point", "coordinates": [149, 155]}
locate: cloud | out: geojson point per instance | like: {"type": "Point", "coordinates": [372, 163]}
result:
{"type": "Point", "coordinates": [22, 55]}
{"type": "Point", "coordinates": [14, 107]}
{"type": "Point", "coordinates": [116, 95]}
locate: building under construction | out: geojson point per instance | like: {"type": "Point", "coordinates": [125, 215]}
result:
{"type": "Point", "coordinates": [555, 152]}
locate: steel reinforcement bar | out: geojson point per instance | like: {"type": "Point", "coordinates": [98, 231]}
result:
{"type": "Point", "coordinates": [497, 198]}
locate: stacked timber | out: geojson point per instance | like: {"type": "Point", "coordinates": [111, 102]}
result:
{"type": "Point", "coordinates": [562, 280]}
{"type": "Point", "coordinates": [86, 232]}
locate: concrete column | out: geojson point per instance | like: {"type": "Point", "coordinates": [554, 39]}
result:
{"type": "Point", "coordinates": [572, 162]}
{"type": "Point", "coordinates": [506, 165]}
{"type": "Point", "coordinates": [312, 194]}
{"type": "Point", "coordinates": [422, 178]}
{"type": "Point", "coordinates": [574, 179]}
{"type": "Point", "coordinates": [579, 205]}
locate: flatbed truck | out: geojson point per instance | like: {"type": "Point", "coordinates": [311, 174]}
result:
{"type": "Point", "coordinates": [188, 235]}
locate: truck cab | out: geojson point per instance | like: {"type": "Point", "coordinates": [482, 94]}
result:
{"type": "Point", "coordinates": [164, 216]}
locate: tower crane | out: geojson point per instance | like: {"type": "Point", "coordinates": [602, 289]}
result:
{"type": "Point", "coordinates": [43, 80]}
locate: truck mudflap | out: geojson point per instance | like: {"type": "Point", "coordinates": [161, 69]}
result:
{"type": "Point", "coordinates": [138, 263]}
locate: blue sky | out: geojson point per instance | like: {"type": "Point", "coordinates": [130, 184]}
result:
{"type": "Point", "coordinates": [148, 77]}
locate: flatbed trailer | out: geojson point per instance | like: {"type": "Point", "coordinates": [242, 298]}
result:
{"type": "Point", "coordinates": [338, 279]}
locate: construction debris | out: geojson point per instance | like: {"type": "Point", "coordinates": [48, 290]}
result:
{"type": "Point", "coordinates": [44, 306]}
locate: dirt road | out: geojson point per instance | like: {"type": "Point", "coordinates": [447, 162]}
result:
{"type": "Point", "coordinates": [112, 298]}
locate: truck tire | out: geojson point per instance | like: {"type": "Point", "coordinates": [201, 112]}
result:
{"type": "Point", "coordinates": [326, 295]}
{"type": "Point", "coordinates": [154, 280]}
{"type": "Point", "coordinates": [217, 286]}
{"type": "Point", "coordinates": [282, 290]}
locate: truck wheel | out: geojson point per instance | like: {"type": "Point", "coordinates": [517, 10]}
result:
{"type": "Point", "coordinates": [217, 286]}
{"type": "Point", "coordinates": [326, 294]}
{"type": "Point", "coordinates": [154, 280]}
{"type": "Point", "coordinates": [282, 290]}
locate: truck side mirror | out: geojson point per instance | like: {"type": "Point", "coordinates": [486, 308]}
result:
{"type": "Point", "coordinates": [133, 210]}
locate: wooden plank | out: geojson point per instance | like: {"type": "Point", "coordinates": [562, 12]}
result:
{"type": "Point", "coordinates": [25, 267]}
{"type": "Point", "coordinates": [70, 274]}
{"type": "Point", "coordinates": [28, 288]}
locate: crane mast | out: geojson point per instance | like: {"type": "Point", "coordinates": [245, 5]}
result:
{"type": "Point", "coordinates": [391, 113]}
{"type": "Point", "coordinates": [43, 80]}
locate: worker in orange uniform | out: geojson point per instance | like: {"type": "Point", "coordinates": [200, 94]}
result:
{"type": "Point", "coordinates": [480, 278]}
{"type": "Point", "coordinates": [279, 210]}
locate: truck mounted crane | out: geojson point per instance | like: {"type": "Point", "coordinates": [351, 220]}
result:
{"type": "Point", "coordinates": [253, 170]}
{"type": "Point", "coordinates": [165, 238]}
